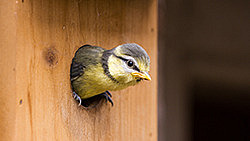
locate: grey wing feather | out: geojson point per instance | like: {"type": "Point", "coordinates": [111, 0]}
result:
{"type": "Point", "coordinates": [76, 70]}
{"type": "Point", "coordinates": [84, 56]}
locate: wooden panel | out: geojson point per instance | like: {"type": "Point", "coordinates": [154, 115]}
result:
{"type": "Point", "coordinates": [7, 71]}
{"type": "Point", "coordinates": [36, 55]}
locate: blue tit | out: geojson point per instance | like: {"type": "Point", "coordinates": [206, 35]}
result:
{"type": "Point", "coordinates": [94, 70]}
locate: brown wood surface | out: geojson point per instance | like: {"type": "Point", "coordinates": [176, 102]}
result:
{"type": "Point", "coordinates": [37, 42]}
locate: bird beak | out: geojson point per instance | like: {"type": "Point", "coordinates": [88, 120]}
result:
{"type": "Point", "coordinates": [143, 75]}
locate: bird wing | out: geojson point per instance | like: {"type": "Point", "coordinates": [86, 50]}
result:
{"type": "Point", "coordinates": [76, 70]}
{"type": "Point", "coordinates": [84, 57]}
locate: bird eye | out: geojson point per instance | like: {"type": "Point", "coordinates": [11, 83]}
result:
{"type": "Point", "coordinates": [130, 63]}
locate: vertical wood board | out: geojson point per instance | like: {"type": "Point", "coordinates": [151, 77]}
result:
{"type": "Point", "coordinates": [38, 41]}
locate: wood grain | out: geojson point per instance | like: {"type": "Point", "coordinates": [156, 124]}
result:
{"type": "Point", "coordinates": [38, 40]}
{"type": "Point", "coordinates": [8, 70]}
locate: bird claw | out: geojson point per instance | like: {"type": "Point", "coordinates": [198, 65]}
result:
{"type": "Point", "coordinates": [107, 92]}
{"type": "Point", "coordinates": [77, 98]}
{"type": "Point", "coordinates": [108, 96]}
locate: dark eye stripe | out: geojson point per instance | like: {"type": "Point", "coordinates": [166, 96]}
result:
{"type": "Point", "coordinates": [124, 59]}
{"type": "Point", "coordinates": [136, 68]}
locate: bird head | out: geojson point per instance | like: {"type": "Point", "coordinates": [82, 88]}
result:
{"type": "Point", "coordinates": [129, 64]}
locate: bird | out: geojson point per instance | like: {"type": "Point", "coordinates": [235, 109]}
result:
{"type": "Point", "coordinates": [95, 71]}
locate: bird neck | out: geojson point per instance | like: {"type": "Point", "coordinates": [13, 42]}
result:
{"type": "Point", "coordinates": [105, 57]}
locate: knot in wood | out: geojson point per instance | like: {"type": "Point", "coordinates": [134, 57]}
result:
{"type": "Point", "coordinates": [51, 57]}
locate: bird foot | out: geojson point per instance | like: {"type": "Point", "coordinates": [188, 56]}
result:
{"type": "Point", "coordinates": [108, 96]}
{"type": "Point", "coordinates": [77, 98]}
{"type": "Point", "coordinates": [86, 102]}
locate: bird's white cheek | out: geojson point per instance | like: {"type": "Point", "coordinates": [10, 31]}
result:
{"type": "Point", "coordinates": [115, 67]}
{"type": "Point", "coordinates": [120, 74]}
{"type": "Point", "coordinates": [116, 70]}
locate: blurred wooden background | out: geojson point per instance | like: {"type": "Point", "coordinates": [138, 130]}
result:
{"type": "Point", "coordinates": [37, 42]}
